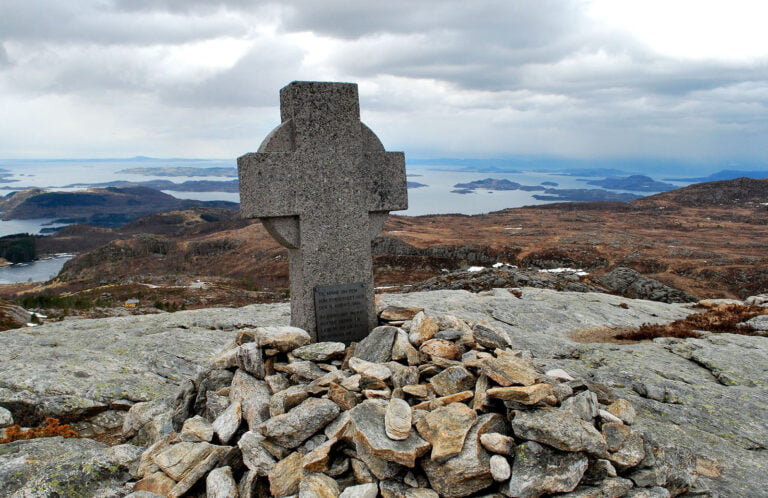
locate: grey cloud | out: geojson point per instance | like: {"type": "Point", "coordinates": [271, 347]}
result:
{"type": "Point", "coordinates": [4, 59]}
{"type": "Point", "coordinates": [40, 22]}
{"type": "Point", "coordinates": [252, 82]}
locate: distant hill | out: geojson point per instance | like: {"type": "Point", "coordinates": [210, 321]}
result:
{"type": "Point", "coordinates": [180, 171]}
{"type": "Point", "coordinates": [634, 183]}
{"type": "Point", "coordinates": [727, 174]}
{"type": "Point", "coordinates": [737, 192]}
{"type": "Point", "coordinates": [107, 207]}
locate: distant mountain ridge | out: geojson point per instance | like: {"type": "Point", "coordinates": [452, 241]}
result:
{"type": "Point", "coordinates": [727, 174]}
{"type": "Point", "coordinates": [736, 192]}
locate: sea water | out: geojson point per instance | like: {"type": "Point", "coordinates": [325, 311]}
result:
{"type": "Point", "coordinates": [435, 198]}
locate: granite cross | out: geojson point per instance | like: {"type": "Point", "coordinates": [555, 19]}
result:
{"type": "Point", "coordinates": [322, 185]}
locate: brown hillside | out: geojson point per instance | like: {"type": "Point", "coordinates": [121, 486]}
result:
{"type": "Point", "coordinates": [710, 241]}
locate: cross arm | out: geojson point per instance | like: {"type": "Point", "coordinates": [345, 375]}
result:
{"type": "Point", "coordinates": [268, 185]}
{"type": "Point", "coordinates": [387, 187]}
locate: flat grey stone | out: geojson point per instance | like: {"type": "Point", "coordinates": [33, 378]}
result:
{"type": "Point", "coordinates": [377, 346]}
{"type": "Point", "coordinates": [538, 469]}
{"type": "Point", "coordinates": [255, 456]}
{"type": "Point", "coordinates": [320, 351]}
{"type": "Point", "coordinates": [469, 471]}
{"type": "Point", "coordinates": [6, 418]}
{"type": "Point", "coordinates": [54, 466]}
{"type": "Point", "coordinates": [221, 484]}
{"type": "Point", "coordinates": [286, 399]}
{"type": "Point", "coordinates": [196, 429]}
{"type": "Point", "coordinates": [293, 428]}
{"type": "Point", "coordinates": [370, 432]}
{"type": "Point", "coordinates": [250, 359]}
{"type": "Point", "coordinates": [584, 405]}
{"type": "Point", "coordinates": [253, 395]}
{"type": "Point", "coordinates": [179, 459]}
{"type": "Point", "coordinates": [368, 490]}
{"type": "Point", "coordinates": [228, 422]}
{"type": "Point", "coordinates": [318, 485]}
{"type": "Point", "coordinates": [559, 429]}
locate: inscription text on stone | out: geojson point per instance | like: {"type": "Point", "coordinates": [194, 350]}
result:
{"type": "Point", "coordinates": [341, 312]}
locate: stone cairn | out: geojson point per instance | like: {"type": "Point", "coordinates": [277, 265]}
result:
{"type": "Point", "coordinates": [422, 407]}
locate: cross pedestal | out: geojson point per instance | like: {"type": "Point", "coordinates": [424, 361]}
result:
{"type": "Point", "coordinates": [322, 185]}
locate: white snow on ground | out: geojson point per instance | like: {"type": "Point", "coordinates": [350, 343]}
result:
{"type": "Point", "coordinates": [32, 325]}
{"type": "Point", "coordinates": [578, 272]}
{"type": "Point", "coordinates": [474, 269]}
{"type": "Point", "coordinates": [500, 265]}
{"type": "Point", "coordinates": [513, 228]}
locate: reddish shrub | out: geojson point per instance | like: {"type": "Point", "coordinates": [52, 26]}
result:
{"type": "Point", "coordinates": [51, 428]}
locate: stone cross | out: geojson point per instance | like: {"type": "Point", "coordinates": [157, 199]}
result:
{"type": "Point", "coordinates": [322, 185]}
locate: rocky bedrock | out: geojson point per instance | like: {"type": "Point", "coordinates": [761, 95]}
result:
{"type": "Point", "coordinates": [708, 395]}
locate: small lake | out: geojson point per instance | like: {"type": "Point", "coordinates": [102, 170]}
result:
{"type": "Point", "coordinates": [35, 271]}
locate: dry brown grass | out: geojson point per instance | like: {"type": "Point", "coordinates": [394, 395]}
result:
{"type": "Point", "coordinates": [724, 318]}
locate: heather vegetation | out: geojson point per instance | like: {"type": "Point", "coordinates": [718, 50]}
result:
{"type": "Point", "coordinates": [51, 428]}
{"type": "Point", "coordinates": [725, 318]}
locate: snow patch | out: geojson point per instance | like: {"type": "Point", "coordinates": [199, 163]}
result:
{"type": "Point", "coordinates": [475, 269]}
{"type": "Point", "coordinates": [576, 271]}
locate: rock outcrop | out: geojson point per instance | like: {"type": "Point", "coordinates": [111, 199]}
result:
{"type": "Point", "coordinates": [627, 282]}
{"type": "Point", "coordinates": [706, 394]}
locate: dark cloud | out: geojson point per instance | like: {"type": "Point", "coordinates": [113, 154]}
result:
{"type": "Point", "coordinates": [40, 22]}
{"type": "Point", "coordinates": [492, 75]}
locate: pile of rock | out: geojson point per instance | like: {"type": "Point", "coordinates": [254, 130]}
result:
{"type": "Point", "coordinates": [435, 407]}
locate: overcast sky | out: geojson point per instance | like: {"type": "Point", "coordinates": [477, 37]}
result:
{"type": "Point", "coordinates": [682, 79]}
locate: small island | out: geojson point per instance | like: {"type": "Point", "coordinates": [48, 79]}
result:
{"type": "Point", "coordinates": [230, 186]}
{"type": "Point", "coordinates": [416, 185]}
{"type": "Point", "coordinates": [584, 195]}
{"type": "Point", "coordinates": [489, 184]}
{"type": "Point", "coordinates": [634, 183]}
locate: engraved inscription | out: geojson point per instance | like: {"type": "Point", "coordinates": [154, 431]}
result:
{"type": "Point", "coordinates": [341, 312]}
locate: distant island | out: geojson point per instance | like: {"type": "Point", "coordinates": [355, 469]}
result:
{"type": "Point", "coordinates": [180, 171]}
{"type": "Point", "coordinates": [550, 184]}
{"type": "Point", "coordinates": [4, 176]}
{"type": "Point", "coordinates": [416, 185]}
{"type": "Point", "coordinates": [635, 183]}
{"type": "Point", "coordinates": [584, 195]}
{"type": "Point", "coordinates": [231, 186]}
{"type": "Point", "coordinates": [727, 174]}
{"type": "Point", "coordinates": [489, 184]}
{"type": "Point", "coordinates": [105, 207]}
{"type": "Point", "coordinates": [592, 172]}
